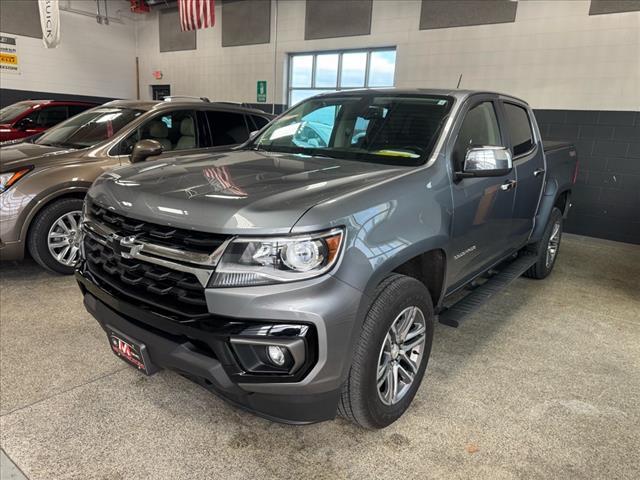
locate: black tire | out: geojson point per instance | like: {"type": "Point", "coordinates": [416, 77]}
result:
{"type": "Point", "coordinates": [360, 401]}
{"type": "Point", "coordinates": [37, 241]}
{"type": "Point", "coordinates": [541, 269]}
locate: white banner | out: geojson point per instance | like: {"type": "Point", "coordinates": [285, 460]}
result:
{"type": "Point", "coordinates": [50, 22]}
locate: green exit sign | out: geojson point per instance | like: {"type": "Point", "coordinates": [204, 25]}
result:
{"type": "Point", "coordinates": [261, 91]}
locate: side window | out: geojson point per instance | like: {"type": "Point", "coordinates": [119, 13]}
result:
{"type": "Point", "coordinates": [259, 121]}
{"type": "Point", "coordinates": [519, 128]}
{"type": "Point", "coordinates": [479, 128]}
{"type": "Point", "coordinates": [76, 109]}
{"type": "Point", "coordinates": [50, 116]}
{"type": "Point", "coordinates": [227, 128]}
{"type": "Point", "coordinates": [173, 130]}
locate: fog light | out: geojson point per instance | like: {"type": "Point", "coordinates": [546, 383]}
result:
{"type": "Point", "coordinates": [276, 355]}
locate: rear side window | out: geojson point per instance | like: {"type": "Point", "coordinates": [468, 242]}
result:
{"type": "Point", "coordinates": [227, 128]}
{"type": "Point", "coordinates": [519, 128]}
{"type": "Point", "coordinates": [479, 129]}
{"type": "Point", "coordinates": [49, 116]}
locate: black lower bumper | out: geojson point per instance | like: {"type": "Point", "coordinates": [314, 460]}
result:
{"type": "Point", "coordinates": [201, 357]}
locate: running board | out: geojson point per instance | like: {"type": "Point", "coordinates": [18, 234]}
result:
{"type": "Point", "coordinates": [456, 313]}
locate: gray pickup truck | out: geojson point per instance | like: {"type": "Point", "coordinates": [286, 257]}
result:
{"type": "Point", "coordinates": [300, 274]}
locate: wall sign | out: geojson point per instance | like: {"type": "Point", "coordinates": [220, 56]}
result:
{"type": "Point", "coordinates": [9, 62]}
{"type": "Point", "coordinates": [261, 91]}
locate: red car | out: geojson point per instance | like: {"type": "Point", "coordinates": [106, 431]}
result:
{"type": "Point", "coordinates": [29, 117]}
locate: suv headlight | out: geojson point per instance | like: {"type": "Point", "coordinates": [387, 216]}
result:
{"type": "Point", "coordinates": [9, 178]}
{"type": "Point", "coordinates": [263, 261]}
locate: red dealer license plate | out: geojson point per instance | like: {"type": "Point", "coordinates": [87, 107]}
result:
{"type": "Point", "coordinates": [129, 350]}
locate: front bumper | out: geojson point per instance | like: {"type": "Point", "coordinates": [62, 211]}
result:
{"type": "Point", "coordinates": [200, 349]}
{"type": "Point", "coordinates": [11, 251]}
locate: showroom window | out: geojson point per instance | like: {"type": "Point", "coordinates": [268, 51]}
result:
{"type": "Point", "coordinates": [322, 72]}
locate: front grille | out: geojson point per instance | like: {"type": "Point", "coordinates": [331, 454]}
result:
{"type": "Point", "coordinates": [170, 292]}
{"type": "Point", "coordinates": [164, 235]}
{"type": "Point", "coordinates": [173, 293]}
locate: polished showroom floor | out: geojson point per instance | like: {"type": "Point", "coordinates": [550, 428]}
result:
{"type": "Point", "coordinates": [543, 382]}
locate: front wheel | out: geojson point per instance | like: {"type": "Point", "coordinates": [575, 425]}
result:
{"type": "Point", "coordinates": [547, 248]}
{"type": "Point", "coordinates": [54, 238]}
{"type": "Point", "coordinates": [391, 355]}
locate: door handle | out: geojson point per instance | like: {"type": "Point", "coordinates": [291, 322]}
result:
{"type": "Point", "coordinates": [537, 172]}
{"type": "Point", "coordinates": [508, 185]}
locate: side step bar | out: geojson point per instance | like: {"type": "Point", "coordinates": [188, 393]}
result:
{"type": "Point", "coordinates": [455, 314]}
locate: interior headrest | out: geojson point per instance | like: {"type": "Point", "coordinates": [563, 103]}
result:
{"type": "Point", "coordinates": [186, 127]}
{"type": "Point", "coordinates": [158, 130]}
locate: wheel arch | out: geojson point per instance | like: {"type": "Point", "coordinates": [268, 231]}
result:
{"type": "Point", "coordinates": [428, 265]}
{"type": "Point", "coordinates": [75, 191]}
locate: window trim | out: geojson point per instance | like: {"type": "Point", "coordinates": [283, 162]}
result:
{"type": "Point", "coordinates": [340, 53]}
{"type": "Point", "coordinates": [534, 138]}
{"type": "Point", "coordinates": [462, 115]}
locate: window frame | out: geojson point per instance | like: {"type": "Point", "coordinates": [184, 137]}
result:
{"type": "Point", "coordinates": [534, 138]}
{"type": "Point", "coordinates": [462, 115]}
{"type": "Point", "coordinates": [340, 54]}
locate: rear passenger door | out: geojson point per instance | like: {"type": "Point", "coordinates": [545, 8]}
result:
{"type": "Point", "coordinates": [226, 127]}
{"type": "Point", "coordinates": [528, 162]}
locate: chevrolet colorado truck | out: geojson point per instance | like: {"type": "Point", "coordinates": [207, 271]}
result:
{"type": "Point", "coordinates": [300, 274]}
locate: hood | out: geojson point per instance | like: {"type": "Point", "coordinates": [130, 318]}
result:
{"type": "Point", "coordinates": [232, 192]}
{"type": "Point", "coordinates": [17, 155]}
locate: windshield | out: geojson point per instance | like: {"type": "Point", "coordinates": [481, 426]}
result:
{"type": "Point", "coordinates": [394, 129]}
{"type": "Point", "coordinates": [10, 113]}
{"type": "Point", "coordinates": [89, 128]}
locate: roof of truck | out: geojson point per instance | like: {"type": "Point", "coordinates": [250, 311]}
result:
{"type": "Point", "coordinates": [449, 92]}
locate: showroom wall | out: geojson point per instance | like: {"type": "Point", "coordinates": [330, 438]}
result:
{"type": "Point", "coordinates": [577, 62]}
{"type": "Point", "coordinates": [555, 54]}
{"type": "Point", "coordinates": [106, 53]}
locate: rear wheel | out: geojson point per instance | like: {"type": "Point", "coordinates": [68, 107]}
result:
{"type": "Point", "coordinates": [391, 355]}
{"type": "Point", "coordinates": [547, 248]}
{"type": "Point", "coordinates": [54, 238]}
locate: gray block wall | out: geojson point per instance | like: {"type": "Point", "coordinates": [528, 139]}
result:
{"type": "Point", "coordinates": [606, 198]}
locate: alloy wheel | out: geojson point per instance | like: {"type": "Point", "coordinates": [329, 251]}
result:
{"type": "Point", "coordinates": [64, 238]}
{"type": "Point", "coordinates": [400, 355]}
{"type": "Point", "coordinates": [553, 245]}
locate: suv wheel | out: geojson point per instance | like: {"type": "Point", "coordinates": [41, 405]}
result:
{"type": "Point", "coordinates": [547, 247]}
{"type": "Point", "coordinates": [54, 238]}
{"type": "Point", "coordinates": [391, 355]}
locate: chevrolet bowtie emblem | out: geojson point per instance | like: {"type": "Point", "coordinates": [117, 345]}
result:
{"type": "Point", "coordinates": [126, 247]}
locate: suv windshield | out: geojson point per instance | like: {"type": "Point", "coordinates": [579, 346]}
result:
{"type": "Point", "coordinates": [89, 128]}
{"type": "Point", "coordinates": [394, 129]}
{"type": "Point", "coordinates": [10, 113]}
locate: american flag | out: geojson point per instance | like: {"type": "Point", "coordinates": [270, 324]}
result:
{"type": "Point", "coordinates": [196, 14]}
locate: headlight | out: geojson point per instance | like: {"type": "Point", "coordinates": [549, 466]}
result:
{"type": "Point", "coordinates": [263, 261]}
{"type": "Point", "coordinates": [9, 178]}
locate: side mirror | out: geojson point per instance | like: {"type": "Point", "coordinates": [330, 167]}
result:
{"type": "Point", "coordinates": [253, 134]}
{"type": "Point", "coordinates": [486, 162]}
{"type": "Point", "coordinates": [145, 149]}
{"type": "Point", "coordinates": [25, 124]}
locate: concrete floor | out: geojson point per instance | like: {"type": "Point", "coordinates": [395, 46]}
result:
{"type": "Point", "coordinates": [543, 382]}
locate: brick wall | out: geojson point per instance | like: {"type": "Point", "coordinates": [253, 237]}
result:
{"type": "Point", "coordinates": [606, 198]}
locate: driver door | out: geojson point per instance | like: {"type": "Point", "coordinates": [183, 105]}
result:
{"type": "Point", "coordinates": [483, 206]}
